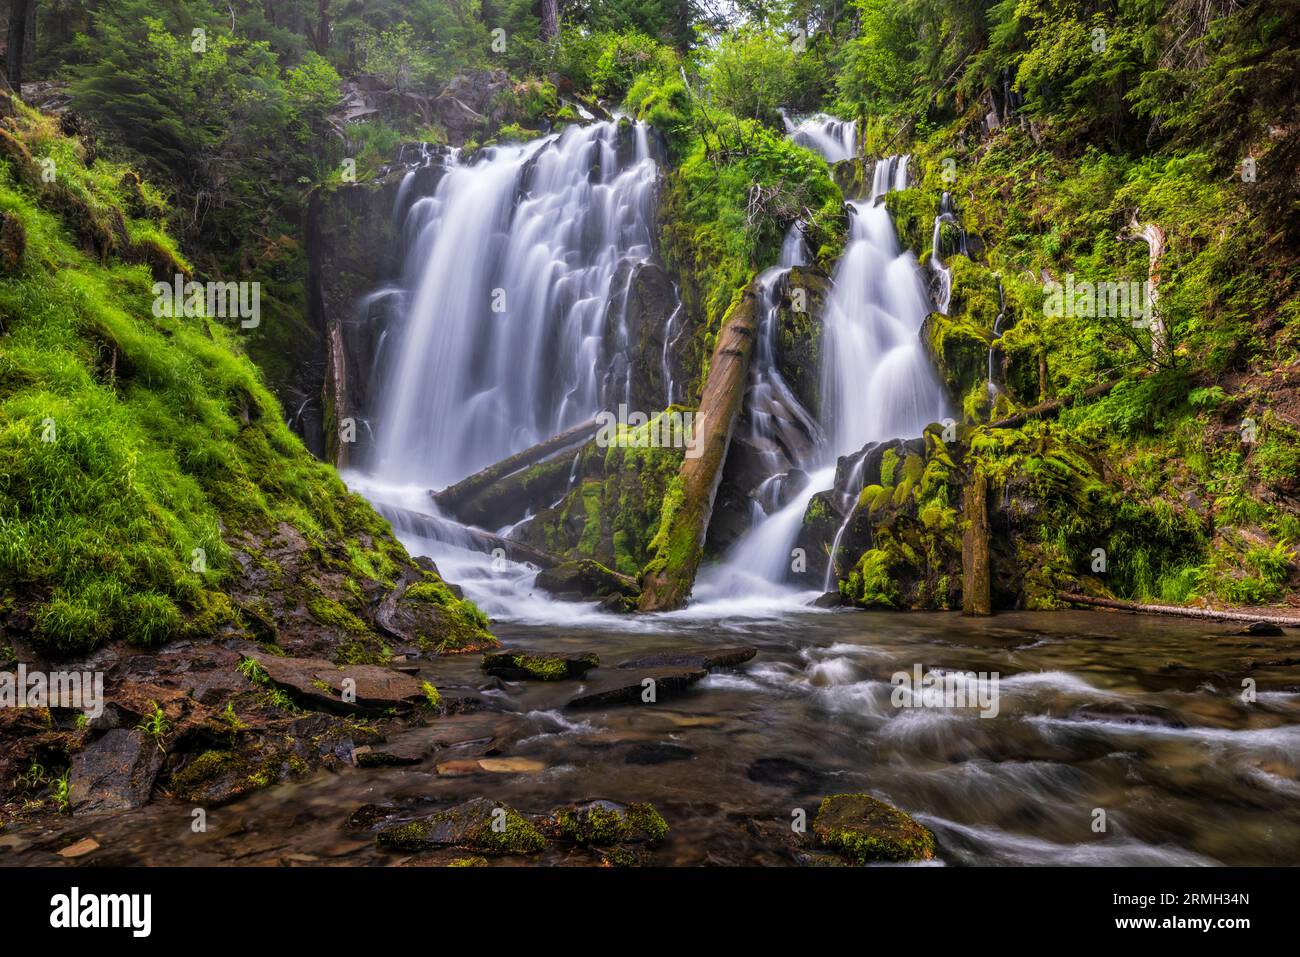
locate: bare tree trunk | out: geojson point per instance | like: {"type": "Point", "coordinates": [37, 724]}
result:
{"type": "Point", "coordinates": [1154, 237]}
{"type": "Point", "coordinates": [18, 12]}
{"type": "Point", "coordinates": [550, 19]}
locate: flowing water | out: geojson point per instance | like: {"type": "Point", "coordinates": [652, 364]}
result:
{"type": "Point", "coordinates": [1139, 717]}
{"type": "Point", "coordinates": [510, 323]}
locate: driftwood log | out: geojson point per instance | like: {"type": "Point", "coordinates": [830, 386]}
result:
{"type": "Point", "coordinates": [1176, 610]}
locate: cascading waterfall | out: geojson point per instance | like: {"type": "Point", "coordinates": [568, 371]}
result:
{"type": "Point", "coordinates": [511, 329]}
{"type": "Point", "coordinates": [507, 281]}
{"type": "Point", "coordinates": [876, 380]}
{"type": "Point", "coordinates": [833, 138]}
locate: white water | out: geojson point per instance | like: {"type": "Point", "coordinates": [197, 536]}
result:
{"type": "Point", "coordinates": [876, 379]}
{"type": "Point", "coordinates": [834, 139]}
{"type": "Point", "coordinates": [508, 271]}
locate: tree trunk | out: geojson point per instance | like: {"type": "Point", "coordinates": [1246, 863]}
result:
{"type": "Point", "coordinates": [550, 19]}
{"type": "Point", "coordinates": [975, 584]}
{"type": "Point", "coordinates": [670, 575]}
{"type": "Point", "coordinates": [18, 12]}
{"type": "Point", "coordinates": [1154, 237]}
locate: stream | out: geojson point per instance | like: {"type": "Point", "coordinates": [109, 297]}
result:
{"type": "Point", "coordinates": [1139, 717]}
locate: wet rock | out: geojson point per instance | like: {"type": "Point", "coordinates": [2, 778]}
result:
{"type": "Point", "coordinates": [607, 822]}
{"type": "Point", "coordinates": [585, 579]}
{"type": "Point", "coordinates": [320, 685]}
{"type": "Point", "coordinates": [617, 605]}
{"type": "Point", "coordinates": [787, 772]}
{"type": "Point", "coordinates": [830, 599]}
{"type": "Point", "coordinates": [708, 658]}
{"type": "Point", "coordinates": [215, 777]}
{"type": "Point", "coordinates": [469, 825]}
{"type": "Point", "coordinates": [409, 748]}
{"type": "Point", "coordinates": [539, 666]}
{"type": "Point", "coordinates": [1266, 628]}
{"type": "Point", "coordinates": [114, 773]}
{"type": "Point", "coordinates": [657, 754]}
{"type": "Point", "coordinates": [865, 830]}
{"type": "Point", "coordinates": [624, 687]}
{"type": "Point", "coordinates": [368, 815]}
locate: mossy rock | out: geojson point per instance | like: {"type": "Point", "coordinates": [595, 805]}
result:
{"type": "Point", "coordinates": [868, 831]}
{"type": "Point", "coordinates": [959, 351]}
{"type": "Point", "coordinates": [913, 212]}
{"type": "Point", "coordinates": [520, 666]}
{"type": "Point", "coordinates": [479, 824]}
{"type": "Point", "coordinates": [607, 823]}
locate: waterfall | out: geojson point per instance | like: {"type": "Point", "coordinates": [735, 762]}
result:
{"type": "Point", "coordinates": [876, 379]}
{"type": "Point", "coordinates": [994, 386]}
{"type": "Point", "coordinates": [834, 139]}
{"type": "Point", "coordinates": [507, 277]}
{"type": "Point", "coordinates": [943, 293]}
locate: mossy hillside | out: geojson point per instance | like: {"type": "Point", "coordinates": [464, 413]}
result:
{"type": "Point", "coordinates": [139, 453]}
{"type": "Point", "coordinates": [714, 235]}
{"type": "Point", "coordinates": [1167, 443]}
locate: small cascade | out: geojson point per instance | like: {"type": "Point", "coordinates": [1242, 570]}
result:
{"type": "Point", "coordinates": [995, 387]}
{"type": "Point", "coordinates": [834, 139]}
{"type": "Point", "coordinates": [943, 292]}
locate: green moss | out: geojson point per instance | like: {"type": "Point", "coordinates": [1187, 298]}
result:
{"type": "Point", "coordinates": [868, 831]}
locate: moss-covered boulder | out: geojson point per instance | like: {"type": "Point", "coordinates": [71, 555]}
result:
{"type": "Point", "coordinates": [481, 825]}
{"type": "Point", "coordinates": [868, 831]}
{"type": "Point", "coordinates": [538, 666]}
{"type": "Point", "coordinates": [607, 822]}
{"type": "Point", "coordinates": [913, 211]}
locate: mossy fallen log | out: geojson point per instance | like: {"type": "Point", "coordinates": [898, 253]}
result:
{"type": "Point", "coordinates": [454, 496]}
{"type": "Point", "coordinates": [1179, 611]}
{"type": "Point", "coordinates": [1054, 407]}
{"type": "Point", "coordinates": [668, 578]}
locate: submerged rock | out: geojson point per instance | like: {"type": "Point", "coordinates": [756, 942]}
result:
{"type": "Point", "coordinates": [478, 824]}
{"type": "Point", "coordinates": [866, 830]}
{"type": "Point", "coordinates": [632, 686]}
{"type": "Point", "coordinates": [708, 658]}
{"type": "Point", "coordinates": [521, 666]}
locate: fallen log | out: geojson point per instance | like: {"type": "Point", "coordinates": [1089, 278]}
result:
{"type": "Point", "coordinates": [453, 496]}
{"type": "Point", "coordinates": [1179, 611]}
{"type": "Point", "coordinates": [669, 576]}
{"type": "Point", "coordinates": [1054, 406]}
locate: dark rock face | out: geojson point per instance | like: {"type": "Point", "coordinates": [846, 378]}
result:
{"type": "Point", "coordinates": [640, 320]}
{"type": "Point", "coordinates": [352, 249]}
{"type": "Point", "coordinates": [584, 579]}
{"type": "Point", "coordinates": [630, 686]}
{"type": "Point", "coordinates": [114, 773]}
